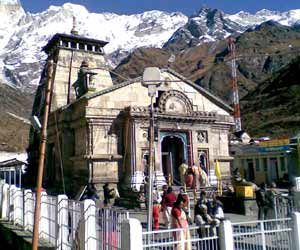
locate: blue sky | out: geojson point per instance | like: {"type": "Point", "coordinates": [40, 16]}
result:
{"type": "Point", "coordinates": [188, 7]}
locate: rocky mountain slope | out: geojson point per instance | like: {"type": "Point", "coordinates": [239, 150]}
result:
{"type": "Point", "coordinates": [210, 25]}
{"type": "Point", "coordinates": [273, 108]}
{"type": "Point", "coordinates": [263, 53]}
{"type": "Point", "coordinates": [260, 51]}
{"type": "Point", "coordinates": [15, 109]}
{"type": "Point", "coordinates": [23, 34]}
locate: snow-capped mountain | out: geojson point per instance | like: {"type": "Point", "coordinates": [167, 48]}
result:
{"type": "Point", "coordinates": [20, 50]}
{"type": "Point", "coordinates": [212, 25]}
{"type": "Point", "coordinates": [285, 18]}
{"type": "Point", "coordinates": [23, 34]}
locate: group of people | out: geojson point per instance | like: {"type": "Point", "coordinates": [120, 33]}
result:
{"type": "Point", "coordinates": [175, 209]}
{"type": "Point", "coordinates": [265, 200]}
{"type": "Point", "coordinates": [108, 194]}
{"type": "Point", "coordinates": [194, 177]}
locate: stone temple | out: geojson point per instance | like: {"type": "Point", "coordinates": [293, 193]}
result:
{"type": "Point", "coordinates": [98, 130]}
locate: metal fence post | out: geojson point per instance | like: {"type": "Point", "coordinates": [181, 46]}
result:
{"type": "Point", "coordinates": [90, 240]}
{"type": "Point", "coordinates": [4, 201]}
{"type": "Point", "coordinates": [2, 182]}
{"type": "Point", "coordinates": [44, 217]}
{"type": "Point", "coordinates": [18, 206]}
{"type": "Point", "coordinates": [226, 236]}
{"type": "Point", "coordinates": [28, 210]}
{"type": "Point", "coordinates": [131, 235]}
{"type": "Point", "coordinates": [63, 228]}
{"type": "Point", "coordinates": [296, 230]}
{"type": "Point", "coordinates": [11, 198]}
{"type": "Point", "coordinates": [263, 235]}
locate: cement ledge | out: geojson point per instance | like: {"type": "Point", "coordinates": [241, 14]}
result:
{"type": "Point", "coordinates": [13, 237]}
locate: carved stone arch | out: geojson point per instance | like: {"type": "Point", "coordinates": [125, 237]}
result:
{"type": "Point", "coordinates": [174, 101]}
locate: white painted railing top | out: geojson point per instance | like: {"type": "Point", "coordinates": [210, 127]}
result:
{"type": "Point", "coordinates": [297, 183]}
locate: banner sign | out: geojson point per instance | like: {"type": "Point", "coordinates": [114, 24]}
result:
{"type": "Point", "coordinates": [274, 149]}
{"type": "Point", "coordinates": [275, 142]}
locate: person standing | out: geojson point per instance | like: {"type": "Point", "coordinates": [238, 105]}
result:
{"type": "Point", "coordinates": [168, 202]}
{"type": "Point", "coordinates": [179, 221]}
{"type": "Point", "coordinates": [189, 178]}
{"type": "Point", "coordinates": [186, 205]}
{"type": "Point", "coordinates": [203, 178]}
{"type": "Point", "coordinates": [182, 170]}
{"type": "Point", "coordinates": [196, 180]}
{"type": "Point", "coordinates": [156, 212]}
{"type": "Point", "coordinates": [261, 202]}
{"type": "Point", "coordinates": [271, 198]}
{"type": "Point", "coordinates": [217, 208]}
{"type": "Point", "coordinates": [91, 192]}
{"type": "Point", "coordinates": [108, 194]}
{"type": "Point", "coordinates": [196, 173]}
{"type": "Point", "coordinates": [202, 201]}
{"type": "Point", "coordinates": [156, 195]}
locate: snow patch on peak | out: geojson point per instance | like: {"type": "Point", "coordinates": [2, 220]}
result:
{"type": "Point", "coordinates": [75, 8]}
{"type": "Point", "coordinates": [265, 12]}
{"type": "Point", "coordinates": [20, 51]}
{"type": "Point", "coordinates": [250, 20]}
{"type": "Point", "coordinates": [10, 2]}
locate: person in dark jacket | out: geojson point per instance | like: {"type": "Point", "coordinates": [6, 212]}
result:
{"type": "Point", "coordinates": [108, 194]}
{"type": "Point", "coordinates": [91, 192]}
{"type": "Point", "coordinates": [262, 202]}
{"type": "Point", "coordinates": [202, 201]}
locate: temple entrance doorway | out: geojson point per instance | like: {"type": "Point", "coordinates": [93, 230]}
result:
{"type": "Point", "coordinates": [173, 153]}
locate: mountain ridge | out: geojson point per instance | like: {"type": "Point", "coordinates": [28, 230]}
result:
{"type": "Point", "coordinates": [199, 43]}
{"type": "Point", "coordinates": [25, 33]}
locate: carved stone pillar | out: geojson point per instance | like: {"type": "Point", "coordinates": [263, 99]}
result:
{"type": "Point", "coordinates": [159, 179]}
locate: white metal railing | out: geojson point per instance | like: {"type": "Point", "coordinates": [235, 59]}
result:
{"type": "Point", "coordinates": [108, 228]}
{"type": "Point", "coordinates": [266, 234]}
{"type": "Point", "coordinates": [65, 224]}
{"type": "Point", "coordinates": [204, 237]}
{"type": "Point", "coordinates": [74, 212]}
{"type": "Point", "coordinates": [284, 206]}
{"type": "Point", "coordinates": [60, 217]}
{"type": "Point", "coordinates": [68, 224]}
{"type": "Point", "coordinates": [297, 183]}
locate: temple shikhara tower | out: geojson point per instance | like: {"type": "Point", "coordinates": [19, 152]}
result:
{"type": "Point", "coordinates": [98, 131]}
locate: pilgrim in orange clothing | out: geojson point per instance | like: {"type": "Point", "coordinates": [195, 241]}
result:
{"type": "Point", "coordinates": [189, 178]}
{"type": "Point", "coordinates": [155, 212]}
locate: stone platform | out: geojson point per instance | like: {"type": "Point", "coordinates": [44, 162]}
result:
{"type": "Point", "coordinates": [240, 205]}
{"type": "Point", "coordinates": [15, 238]}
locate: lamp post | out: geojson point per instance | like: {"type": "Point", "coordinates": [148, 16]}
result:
{"type": "Point", "coordinates": [151, 80]}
